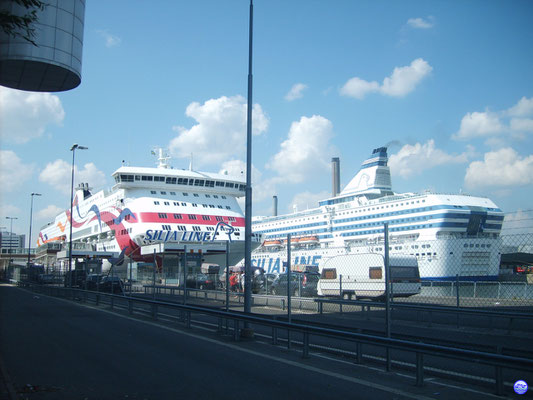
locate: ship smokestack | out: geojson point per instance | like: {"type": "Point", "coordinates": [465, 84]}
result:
{"type": "Point", "coordinates": [335, 168]}
{"type": "Point", "coordinates": [275, 206]}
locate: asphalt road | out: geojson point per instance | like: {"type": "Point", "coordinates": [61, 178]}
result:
{"type": "Point", "coordinates": [56, 349]}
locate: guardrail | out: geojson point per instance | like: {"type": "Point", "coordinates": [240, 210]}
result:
{"type": "Point", "coordinates": [498, 361]}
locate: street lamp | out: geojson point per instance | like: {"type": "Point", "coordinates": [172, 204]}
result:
{"type": "Point", "coordinates": [31, 214]}
{"type": "Point", "coordinates": [73, 149]}
{"type": "Point", "coordinates": [10, 234]}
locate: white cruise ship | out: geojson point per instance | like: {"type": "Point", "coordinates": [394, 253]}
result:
{"type": "Point", "coordinates": [449, 234]}
{"type": "Point", "coordinates": [162, 210]}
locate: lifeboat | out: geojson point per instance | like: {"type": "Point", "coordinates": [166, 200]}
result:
{"type": "Point", "coordinates": [271, 243]}
{"type": "Point", "coordinates": [308, 240]}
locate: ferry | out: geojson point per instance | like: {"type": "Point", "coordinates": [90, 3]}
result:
{"type": "Point", "coordinates": [158, 210]}
{"type": "Point", "coordinates": [450, 235]}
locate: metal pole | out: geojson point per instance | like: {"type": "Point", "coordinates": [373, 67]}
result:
{"type": "Point", "coordinates": [289, 275]}
{"type": "Point", "coordinates": [185, 274]}
{"type": "Point", "coordinates": [31, 217]}
{"type": "Point", "coordinates": [387, 290]}
{"type": "Point", "coordinates": [155, 266]}
{"type": "Point", "coordinates": [227, 275]}
{"type": "Point", "coordinates": [10, 238]}
{"type": "Point", "coordinates": [248, 199]}
{"type": "Point", "coordinates": [131, 274]}
{"type": "Point", "coordinates": [457, 289]}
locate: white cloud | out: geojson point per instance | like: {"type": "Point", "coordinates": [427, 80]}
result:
{"type": "Point", "coordinates": [13, 172]}
{"type": "Point", "coordinates": [521, 125]}
{"type": "Point", "coordinates": [306, 150]}
{"type": "Point", "coordinates": [504, 167]}
{"type": "Point", "coordinates": [358, 88]}
{"type": "Point", "coordinates": [523, 108]}
{"type": "Point", "coordinates": [49, 213]}
{"type": "Point", "coordinates": [479, 124]}
{"type": "Point", "coordinates": [296, 92]}
{"type": "Point", "coordinates": [58, 175]}
{"type": "Point", "coordinates": [220, 132]}
{"type": "Point", "coordinates": [421, 23]}
{"type": "Point", "coordinates": [25, 115]}
{"type": "Point", "coordinates": [402, 81]}
{"type": "Point", "coordinates": [305, 200]}
{"type": "Point", "coordinates": [110, 39]}
{"type": "Point", "coordinates": [411, 160]}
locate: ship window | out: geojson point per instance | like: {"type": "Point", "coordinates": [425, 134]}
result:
{"type": "Point", "coordinates": [215, 196]}
{"type": "Point", "coordinates": [229, 184]}
{"type": "Point", "coordinates": [167, 203]}
{"type": "Point", "coordinates": [206, 217]}
{"type": "Point", "coordinates": [211, 206]}
{"type": "Point", "coordinates": [159, 178]}
{"type": "Point", "coordinates": [375, 273]}
{"type": "Point", "coordinates": [204, 205]}
{"type": "Point", "coordinates": [172, 193]}
{"type": "Point", "coordinates": [228, 207]}
{"type": "Point", "coordinates": [177, 216]}
{"type": "Point", "coordinates": [218, 183]}
{"type": "Point", "coordinates": [126, 178]}
{"type": "Point", "coordinates": [156, 203]}
{"type": "Point", "coordinates": [196, 195]}
{"type": "Point", "coordinates": [170, 180]}
{"type": "Point", "coordinates": [194, 204]}
{"type": "Point", "coordinates": [166, 227]}
{"type": "Point", "coordinates": [208, 196]}
{"type": "Point", "coordinates": [196, 228]}
{"type": "Point", "coordinates": [183, 204]}
{"type": "Point", "coordinates": [192, 216]}
{"type": "Point", "coordinates": [147, 178]}
{"type": "Point", "coordinates": [241, 188]}
{"type": "Point", "coordinates": [220, 207]}
{"type": "Point", "coordinates": [329, 273]}
{"type": "Point", "coordinates": [137, 177]}
{"type": "Point", "coordinates": [232, 219]}
{"type": "Point", "coordinates": [223, 197]}
{"type": "Point", "coordinates": [162, 215]}
{"type": "Point", "coordinates": [164, 193]}
{"type": "Point", "coordinates": [185, 194]}
{"type": "Point", "coordinates": [219, 218]}
{"type": "Point", "coordinates": [153, 192]}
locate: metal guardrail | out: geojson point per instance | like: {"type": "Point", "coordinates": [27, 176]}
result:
{"type": "Point", "coordinates": [498, 361]}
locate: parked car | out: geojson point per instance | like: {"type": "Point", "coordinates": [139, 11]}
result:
{"type": "Point", "coordinates": [200, 281]}
{"type": "Point", "coordinates": [111, 284]}
{"type": "Point", "coordinates": [76, 278]}
{"type": "Point", "coordinates": [92, 281]}
{"type": "Point", "coordinates": [303, 284]}
{"type": "Point", "coordinates": [47, 279]}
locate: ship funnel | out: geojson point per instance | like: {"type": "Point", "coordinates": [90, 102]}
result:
{"type": "Point", "coordinates": [335, 168]}
{"type": "Point", "coordinates": [275, 206]}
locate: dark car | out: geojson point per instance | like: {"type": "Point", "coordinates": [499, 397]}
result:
{"type": "Point", "coordinates": [303, 284]}
{"type": "Point", "coordinates": [92, 282]}
{"type": "Point", "coordinates": [75, 278]}
{"type": "Point", "coordinates": [200, 281]}
{"type": "Point", "coordinates": [111, 284]}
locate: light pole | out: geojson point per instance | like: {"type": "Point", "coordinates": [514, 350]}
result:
{"type": "Point", "coordinates": [10, 236]}
{"type": "Point", "coordinates": [73, 149]}
{"type": "Point", "coordinates": [31, 215]}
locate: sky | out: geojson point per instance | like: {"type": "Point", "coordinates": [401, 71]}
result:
{"type": "Point", "coordinates": [446, 85]}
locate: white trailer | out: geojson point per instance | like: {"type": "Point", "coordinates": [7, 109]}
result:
{"type": "Point", "coordinates": [363, 276]}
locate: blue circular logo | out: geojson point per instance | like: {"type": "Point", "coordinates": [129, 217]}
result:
{"type": "Point", "coordinates": [520, 387]}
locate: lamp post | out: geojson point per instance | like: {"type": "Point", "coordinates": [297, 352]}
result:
{"type": "Point", "coordinates": [10, 235]}
{"type": "Point", "coordinates": [73, 149]}
{"type": "Point", "coordinates": [31, 215]}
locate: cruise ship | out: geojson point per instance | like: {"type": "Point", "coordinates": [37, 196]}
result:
{"type": "Point", "coordinates": [451, 235]}
{"type": "Point", "coordinates": [158, 210]}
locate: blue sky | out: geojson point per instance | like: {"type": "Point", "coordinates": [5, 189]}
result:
{"type": "Point", "coordinates": [448, 85]}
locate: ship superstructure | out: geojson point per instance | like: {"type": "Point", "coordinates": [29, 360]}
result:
{"type": "Point", "coordinates": [449, 234]}
{"type": "Point", "coordinates": [172, 208]}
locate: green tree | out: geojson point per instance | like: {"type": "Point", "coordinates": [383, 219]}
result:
{"type": "Point", "coordinates": [21, 25]}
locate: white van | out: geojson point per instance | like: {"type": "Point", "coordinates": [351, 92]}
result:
{"type": "Point", "coordinates": [363, 276]}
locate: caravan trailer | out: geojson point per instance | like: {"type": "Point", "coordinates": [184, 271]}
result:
{"type": "Point", "coordinates": [363, 276]}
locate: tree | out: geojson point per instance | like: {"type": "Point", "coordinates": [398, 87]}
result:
{"type": "Point", "coordinates": [21, 25]}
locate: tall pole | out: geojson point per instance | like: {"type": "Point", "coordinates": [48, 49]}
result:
{"type": "Point", "coordinates": [31, 215]}
{"type": "Point", "coordinates": [248, 201]}
{"type": "Point", "coordinates": [73, 149]}
{"type": "Point", "coordinates": [10, 234]}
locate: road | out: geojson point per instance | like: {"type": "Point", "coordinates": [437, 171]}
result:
{"type": "Point", "coordinates": [56, 349]}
